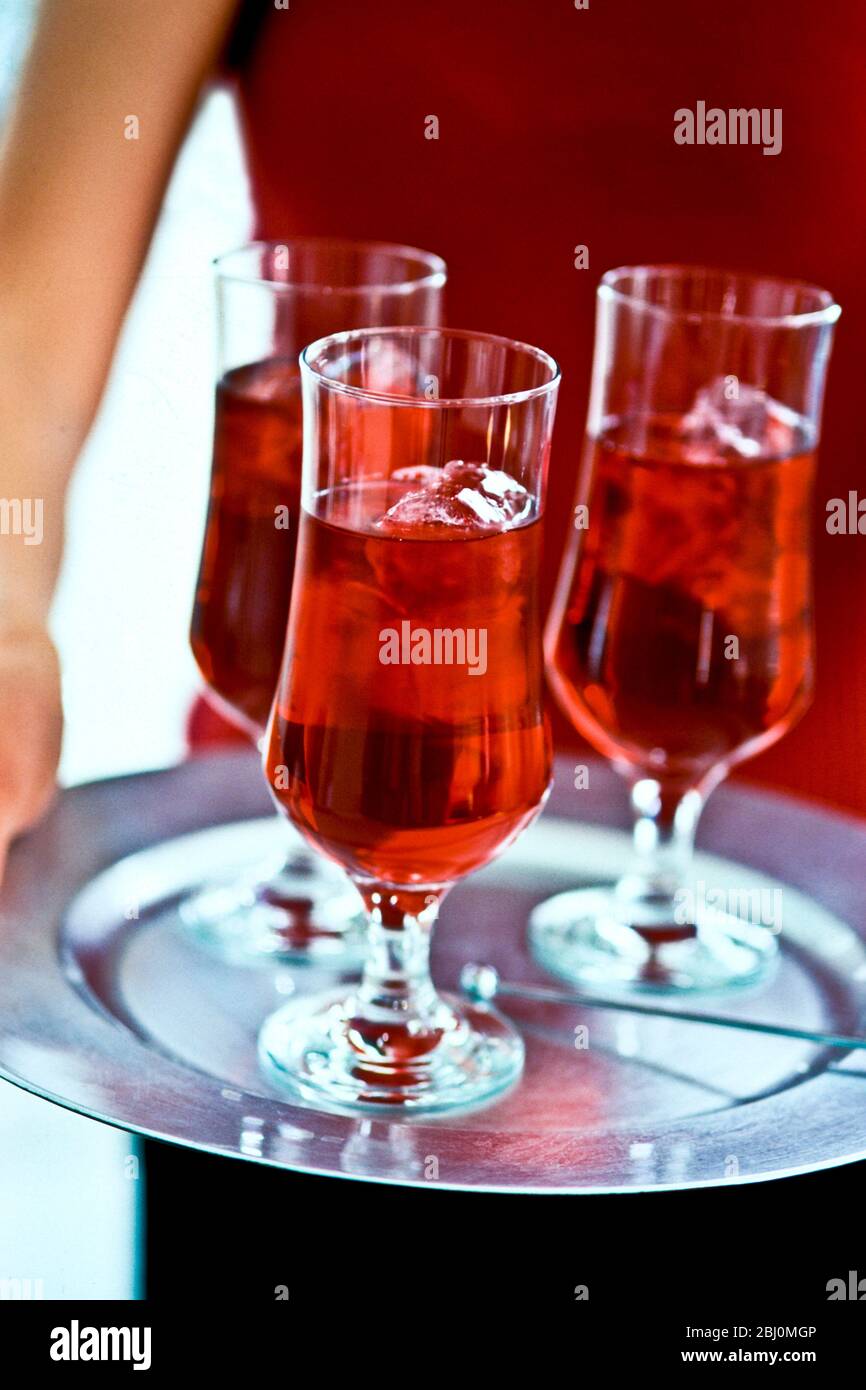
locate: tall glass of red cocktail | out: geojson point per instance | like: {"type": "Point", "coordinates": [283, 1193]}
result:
{"type": "Point", "coordinates": [408, 740]}
{"type": "Point", "coordinates": [680, 641]}
{"type": "Point", "coordinates": [273, 298]}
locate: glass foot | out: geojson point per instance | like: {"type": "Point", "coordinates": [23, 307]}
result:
{"type": "Point", "coordinates": [332, 1056]}
{"type": "Point", "coordinates": [581, 937]}
{"type": "Point", "coordinates": [305, 913]}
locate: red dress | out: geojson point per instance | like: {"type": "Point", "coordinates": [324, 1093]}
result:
{"type": "Point", "coordinates": [556, 129]}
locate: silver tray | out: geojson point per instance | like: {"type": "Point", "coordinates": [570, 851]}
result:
{"type": "Point", "coordinates": [107, 1008]}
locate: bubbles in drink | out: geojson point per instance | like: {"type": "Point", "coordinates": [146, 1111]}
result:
{"type": "Point", "coordinates": [460, 498]}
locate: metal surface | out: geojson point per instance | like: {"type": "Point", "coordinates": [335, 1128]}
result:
{"type": "Point", "coordinates": [482, 982]}
{"type": "Point", "coordinates": [122, 1017]}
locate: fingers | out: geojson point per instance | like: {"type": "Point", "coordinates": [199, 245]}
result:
{"type": "Point", "coordinates": [31, 722]}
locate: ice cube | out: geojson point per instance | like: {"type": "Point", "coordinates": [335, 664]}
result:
{"type": "Point", "coordinates": [728, 417]}
{"type": "Point", "coordinates": [274, 380]}
{"type": "Point", "coordinates": [389, 368]}
{"type": "Point", "coordinates": [417, 473]}
{"type": "Point", "coordinates": [464, 497]}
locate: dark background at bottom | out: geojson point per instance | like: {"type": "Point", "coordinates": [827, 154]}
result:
{"type": "Point", "coordinates": [386, 1280]}
{"type": "Point", "coordinates": [731, 1254]}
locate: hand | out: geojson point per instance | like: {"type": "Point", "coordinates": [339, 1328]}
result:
{"type": "Point", "coordinates": [31, 725]}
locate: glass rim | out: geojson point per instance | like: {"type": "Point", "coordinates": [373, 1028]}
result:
{"type": "Point", "coordinates": [434, 276]}
{"type": "Point", "coordinates": [439, 402]}
{"type": "Point", "coordinates": [828, 313]}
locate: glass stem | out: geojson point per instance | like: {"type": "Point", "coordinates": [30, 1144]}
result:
{"type": "Point", "coordinates": [399, 1011]}
{"type": "Point", "coordinates": [652, 894]}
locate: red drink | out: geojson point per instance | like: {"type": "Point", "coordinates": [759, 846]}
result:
{"type": "Point", "coordinates": [686, 549]}
{"type": "Point", "coordinates": [409, 772]}
{"type": "Point", "coordinates": [245, 579]}
{"type": "Point", "coordinates": [408, 739]}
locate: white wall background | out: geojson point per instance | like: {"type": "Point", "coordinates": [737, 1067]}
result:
{"type": "Point", "coordinates": [137, 504]}
{"type": "Point", "coordinates": [68, 1193]}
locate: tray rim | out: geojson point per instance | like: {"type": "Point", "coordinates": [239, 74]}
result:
{"type": "Point", "coordinates": [287, 1112]}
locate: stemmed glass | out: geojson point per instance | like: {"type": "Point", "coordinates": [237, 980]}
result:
{"type": "Point", "coordinates": [680, 640]}
{"type": "Point", "coordinates": [273, 298]}
{"type": "Point", "coordinates": [408, 740]}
